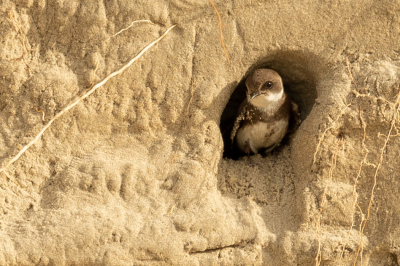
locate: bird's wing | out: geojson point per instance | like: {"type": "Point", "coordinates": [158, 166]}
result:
{"type": "Point", "coordinates": [241, 116]}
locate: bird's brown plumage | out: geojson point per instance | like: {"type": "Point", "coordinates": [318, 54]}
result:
{"type": "Point", "coordinates": [262, 122]}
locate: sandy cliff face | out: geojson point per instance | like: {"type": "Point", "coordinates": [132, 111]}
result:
{"type": "Point", "coordinates": [135, 173]}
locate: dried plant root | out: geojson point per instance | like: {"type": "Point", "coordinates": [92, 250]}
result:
{"type": "Point", "coordinates": [75, 102]}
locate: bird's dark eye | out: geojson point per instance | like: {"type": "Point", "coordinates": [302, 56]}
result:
{"type": "Point", "coordinates": [269, 84]}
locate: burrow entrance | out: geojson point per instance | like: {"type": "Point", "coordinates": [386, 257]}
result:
{"type": "Point", "coordinates": [298, 71]}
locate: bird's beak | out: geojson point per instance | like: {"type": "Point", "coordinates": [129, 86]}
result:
{"type": "Point", "coordinates": [254, 95]}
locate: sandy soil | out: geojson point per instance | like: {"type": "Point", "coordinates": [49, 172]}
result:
{"type": "Point", "coordinates": [136, 174]}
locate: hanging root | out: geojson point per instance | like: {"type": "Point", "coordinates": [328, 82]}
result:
{"type": "Point", "coordinates": [133, 22]}
{"type": "Point", "coordinates": [332, 125]}
{"type": "Point", "coordinates": [318, 258]}
{"type": "Point", "coordinates": [342, 111]}
{"type": "Point", "coordinates": [75, 102]}
{"type": "Point", "coordinates": [378, 166]}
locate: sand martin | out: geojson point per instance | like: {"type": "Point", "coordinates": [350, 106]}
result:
{"type": "Point", "coordinates": [263, 117]}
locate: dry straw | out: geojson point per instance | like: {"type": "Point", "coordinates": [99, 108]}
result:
{"type": "Point", "coordinates": [95, 87]}
{"type": "Point", "coordinates": [220, 30]}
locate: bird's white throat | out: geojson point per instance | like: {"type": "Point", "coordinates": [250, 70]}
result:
{"type": "Point", "coordinates": [268, 103]}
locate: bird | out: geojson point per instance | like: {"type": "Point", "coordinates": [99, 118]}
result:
{"type": "Point", "coordinates": [264, 115]}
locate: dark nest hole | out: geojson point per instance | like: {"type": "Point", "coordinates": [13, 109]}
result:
{"type": "Point", "coordinates": [297, 70]}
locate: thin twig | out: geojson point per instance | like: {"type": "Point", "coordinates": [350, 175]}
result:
{"type": "Point", "coordinates": [171, 210]}
{"type": "Point", "coordinates": [358, 95]}
{"type": "Point", "coordinates": [63, 111]}
{"type": "Point", "coordinates": [12, 179]}
{"type": "Point", "coordinates": [363, 162]}
{"type": "Point", "coordinates": [136, 21]}
{"type": "Point", "coordinates": [220, 30]}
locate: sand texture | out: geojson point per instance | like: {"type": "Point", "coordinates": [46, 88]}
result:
{"type": "Point", "coordinates": [141, 172]}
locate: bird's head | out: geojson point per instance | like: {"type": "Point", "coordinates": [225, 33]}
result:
{"type": "Point", "coordinates": [264, 87]}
